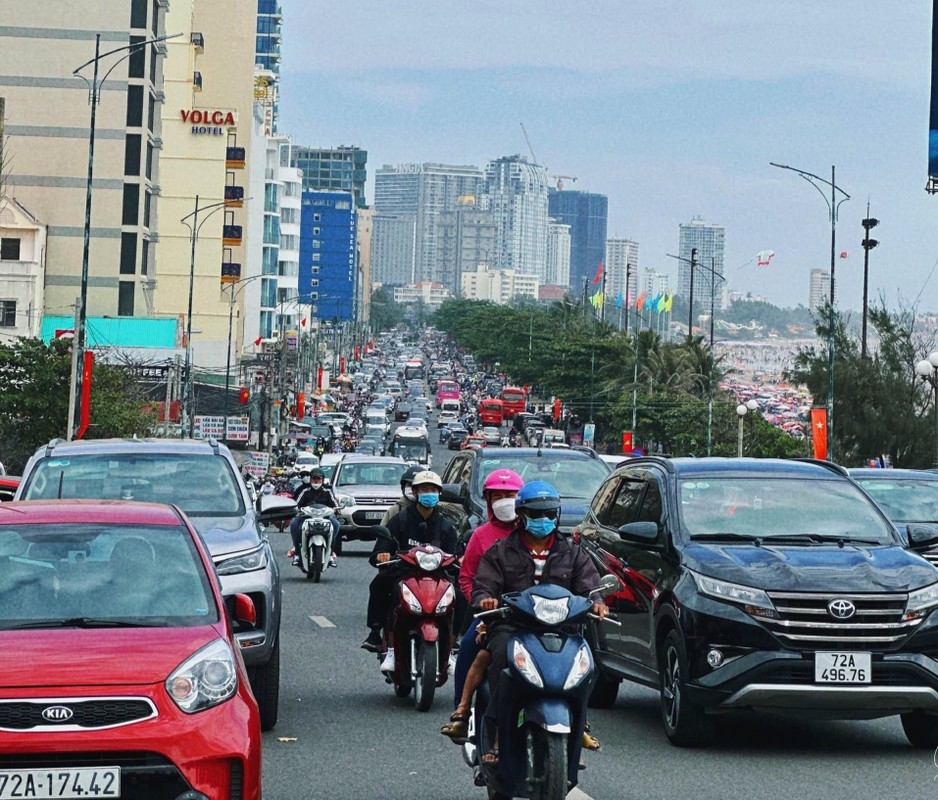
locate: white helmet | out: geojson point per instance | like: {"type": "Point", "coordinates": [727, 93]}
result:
{"type": "Point", "coordinates": [427, 477]}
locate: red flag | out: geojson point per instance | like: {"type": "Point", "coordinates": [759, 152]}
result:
{"type": "Point", "coordinates": [843, 254]}
{"type": "Point", "coordinates": [303, 322]}
{"type": "Point", "coordinates": [628, 443]}
{"type": "Point", "coordinates": [257, 341]}
{"type": "Point", "coordinates": [599, 273]}
{"type": "Point", "coordinates": [301, 405]}
{"type": "Point", "coordinates": [557, 410]}
{"type": "Point", "coordinates": [819, 432]}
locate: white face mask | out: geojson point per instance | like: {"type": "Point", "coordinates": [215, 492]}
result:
{"type": "Point", "coordinates": [409, 494]}
{"type": "Point", "coordinates": [504, 509]}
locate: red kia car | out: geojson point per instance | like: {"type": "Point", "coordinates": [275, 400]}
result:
{"type": "Point", "coordinates": [120, 676]}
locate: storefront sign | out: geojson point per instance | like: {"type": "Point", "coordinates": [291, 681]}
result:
{"type": "Point", "coordinates": [208, 427]}
{"type": "Point", "coordinates": [238, 429]}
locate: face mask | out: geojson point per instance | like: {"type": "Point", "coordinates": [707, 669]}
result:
{"type": "Point", "coordinates": [306, 479]}
{"type": "Point", "coordinates": [428, 500]}
{"type": "Point", "coordinates": [409, 494]}
{"type": "Point", "coordinates": [504, 509]}
{"type": "Point", "coordinates": [539, 528]}
{"type": "Point", "coordinates": [317, 485]}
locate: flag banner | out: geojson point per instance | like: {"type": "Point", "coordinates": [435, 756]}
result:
{"type": "Point", "coordinates": [303, 322]}
{"type": "Point", "coordinates": [257, 341]}
{"type": "Point", "coordinates": [597, 300]}
{"type": "Point", "coordinates": [619, 300]}
{"type": "Point", "coordinates": [844, 254]}
{"type": "Point", "coordinates": [669, 304]}
{"type": "Point", "coordinates": [662, 305]}
{"type": "Point", "coordinates": [649, 303]}
{"type": "Point", "coordinates": [599, 273]}
{"type": "Point", "coordinates": [640, 301]}
{"type": "Point", "coordinates": [819, 432]}
{"type": "Point", "coordinates": [627, 442]}
{"type": "Point", "coordinates": [763, 257]}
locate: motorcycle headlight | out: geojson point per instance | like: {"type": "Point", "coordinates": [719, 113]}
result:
{"type": "Point", "coordinates": [205, 679]}
{"type": "Point", "coordinates": [582, 666]}
{"type": "Point", "coordinates": [429, 561]}
{"type": "Point", "coordinates": [551, 612]}
{"type": "Point", "coordinates": [525, 664]}
{"type": "Point", "coordinates": [446, 600]}
{"type": "Point", "coordinates": [411, 599]}
{"type": "Point", "coordinates": [754, 601]}
{"type": "Point", "coordinates": [921, 602]}
{"type": "Point", "coordinates": [248, 562]}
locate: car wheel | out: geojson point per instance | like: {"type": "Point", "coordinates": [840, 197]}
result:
{"type": "Point", "coordinates": [605, 691]}
{"type": "Point", "coordinates": [265, 683]}
{"type": "Point", "coordinates": [921, 729]}
{"type": "Point", "coordinates": [685, 723]}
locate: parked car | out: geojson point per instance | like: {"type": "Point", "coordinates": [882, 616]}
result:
{"type": "Point", "coordinates": [8, 487]}
{"type": "Point", "coordinates": [365, 486]}
{"type": "Point", "coordinates": [203, 480]}
{"type": "Point", "coordinates": [761, 585]}
{"type": "Point", "coordinates": [122, 673]}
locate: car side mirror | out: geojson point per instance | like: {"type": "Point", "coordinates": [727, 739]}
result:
{"type": "Point", "coordinates": [242, 610]}
{"type": "Point", "coordinates": [639, 531]}
{"type": "Point", "coordinates": [457, 493]}
{"type": "Point", "coordinates": [274, 508]}
{"type": "Point", "coordinates": [922, 537]}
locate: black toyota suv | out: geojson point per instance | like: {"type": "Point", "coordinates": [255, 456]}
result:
{"type": "Point", "coordinates": [762, 585]}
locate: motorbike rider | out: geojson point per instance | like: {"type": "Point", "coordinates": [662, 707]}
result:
{"type": "Point", "coordinates": [423, 523]}
{"type": "Point", "coordinates": [407, 499]}
{"type": "Point", "coordinates": [532, 553]}
{"type": "Point", "coordinates": [313, 491]}
{"type": "Point", "coordinates": [499, 491]}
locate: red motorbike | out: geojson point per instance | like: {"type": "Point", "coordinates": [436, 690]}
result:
{"type": "Point", "coordinates": [421, 624]}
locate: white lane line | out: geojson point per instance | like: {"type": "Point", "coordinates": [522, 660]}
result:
{"type": "Point", "coordinates": [576, 794]}
{"type": "Point", "coordinates": [322, 622]}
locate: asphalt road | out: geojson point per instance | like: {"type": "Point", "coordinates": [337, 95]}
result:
{"type": "Point", "coordinates": [343, 735]}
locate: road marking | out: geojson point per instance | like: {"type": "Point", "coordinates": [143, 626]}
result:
{"type": "Point", "coordinates": [322, 622]}
{"type": "Point", "coordinates": [576, 794]}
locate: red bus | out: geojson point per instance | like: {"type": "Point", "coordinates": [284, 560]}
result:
{"type": "Point", "coordinates": [514, 399]}
{"type": "Point", "coordinates": [491, 411]}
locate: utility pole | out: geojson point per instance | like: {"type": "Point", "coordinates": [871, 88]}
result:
{"type": "Point", "coordinates": [628, 278]}
{"type": "Point", "coordinates": [868, 244]}
{"type": "Point", "coordinates": [690, 300]}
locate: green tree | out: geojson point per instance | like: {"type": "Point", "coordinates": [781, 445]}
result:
{"type": "Point", "coordinates": [385, 313]}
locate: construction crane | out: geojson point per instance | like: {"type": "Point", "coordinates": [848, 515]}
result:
{"type": "Point", "coordinates": [530, 149]}
{"type": "Point", "coordinates": [561, 178]}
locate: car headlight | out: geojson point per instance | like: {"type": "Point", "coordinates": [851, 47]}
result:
{"type": "Point", "coordinates": [446, 600]}
{"type": "Point", "coordinates": [550, 611]}
{"type": "Point", "coordinates": [205, 679]}
{"type": "Point", "coordinates": [921, 602]}
{"type": "Point", "coordinates": [411, 599]}
{"type": "Point", "coordinates": [345, 500]}
{"type": "Point", "coordinates": [525, 664]}
{"type": "Point", "coordinates": [429, 562]}
{"type": "Point", "coordinates": [582, 666]}
{"type": "Point", "coordinates": [249, 562]}
{"type": "Point", "coordinates": [754, 601]}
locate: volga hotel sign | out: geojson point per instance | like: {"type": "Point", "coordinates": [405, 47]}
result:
{"type": "Point", "coordinates": [212, 122]}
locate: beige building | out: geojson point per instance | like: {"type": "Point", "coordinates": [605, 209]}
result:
{"type": "Point", "coordinates": [430, 294]}
{"type": "Point", "coordinates": [47, 125]}
{"type": "Point", "coordinates": [498, 285]}
{"type": "Point", "coordinates": [22, 256]}
{"type": "Point", "coordinates": [366, 218]}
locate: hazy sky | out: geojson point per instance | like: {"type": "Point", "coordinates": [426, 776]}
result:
{"type": "Point", "coordinates": [671, 108]}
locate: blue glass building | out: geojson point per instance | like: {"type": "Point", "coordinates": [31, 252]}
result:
{"type": "Point", "coordinates": [328, 254]}
{"type": "Point", "coordinates": [586, 213]}
{"type": "Point", "coordinates": [267, 47]}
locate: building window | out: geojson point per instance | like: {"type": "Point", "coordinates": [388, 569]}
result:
{"type": "Point", "coordinates": [125, 298]}
{"type": "Point", "coordinates": [7, 313]}
{"type": "Point", "coordinates": [316, 244]}
{"type": "Point", "coordinates": [138, 59]}
{"type": "Point", "coordinates": [132, 145]}
{"type": "Point", "coordinates": [144, 257]}
{"type": "Point", "coordinates": [131, 204]}
{"type": "Point", "coordinates": [9, 249]}
{"type": "Point", "coordinates": [316, 231]}
{"type": "Point", "coordinates": [317, 256]}
{"type": "Point", "coordinates": [152, 114]}
{"type": "Point", "coordinates": [128, 261]}
{"type": "Point", "coordinates": [149, 161]}
{"type": "Point", "coordinates": [147, 197]}
{"type": "Point", "coordinates": [134, 106]}
{"type": "Point", "coordinates": [317, 217]}
{"type": "Point", "coordinates": [138, 13]}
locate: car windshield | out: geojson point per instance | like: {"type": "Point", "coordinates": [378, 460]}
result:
{"type": "Point", "coordinates": [101, 575]}
{"type": "Point", "coordinates": [904, 500]}
{"type": "Point", "coordinates": [768, 506]}
{"type": "Point", "coordinates": [201, 485]}
{"type": "Point", "coordinates": [369, 473]}
{"type": "Point", "coordinates": [411, 451]}
{"type": "Point", "coordinates": [573, 478]}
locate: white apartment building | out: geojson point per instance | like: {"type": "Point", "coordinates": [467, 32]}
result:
{"type": "Point", "coordinates": [819, 291]}
{"type": "Point", "coordinates": [621, 259]}
{"type": "Point", "coordinates": [431, 294]}
{"type": "Point", "coordinates": [558, 254]}
{"type": "Point", "coordinates": [500, 286]}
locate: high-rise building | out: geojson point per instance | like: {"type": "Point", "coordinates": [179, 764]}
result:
{"type": "Point", "coordinates": [708, 241]}
{"type": "Point", "coordinates": [334, 169]}
{"type": "Point", "coordinates": [621, 258]}
{"type": "Point", "coordinates": [392, 249]}
{"type": "Point", "coordinates": [467, 239]}
{"type": "Point", "coordinates": [422, 192]}
{"type": "Point", "coordinates": [267, 61]}
{"type": "Point", "coordinates": [498, 285]}
{"type": "Point", "coordinates": [586, 214]}
{"type": "Point", "coordinates": [328, 254]}
{"type": "Point", "coordinates": [819, 293]}
{"type": "Point", "coordinates": [366, 223]}
{"type": "Point", "coordinates": [516, 192]}
{"type": "Point", "coordinates": [558, 254]}
{"type": "Point", "coordinates": [47, 124]}
{"type": "Point", "coordinates": [656, 283]}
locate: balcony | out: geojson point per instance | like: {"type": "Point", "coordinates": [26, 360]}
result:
{"type": "Point", "coordinates": [234, 158]}
{"type": "Point", "coordinates": [198, 40]}
{"type": "Point", "coordinates": [234, 196]}
{"type": "Point", "coordinates": [232, 235]}
{"type": "Point", "coordinates": [230, 272]}
{"type": "Point", "coordinates": [197, 81]}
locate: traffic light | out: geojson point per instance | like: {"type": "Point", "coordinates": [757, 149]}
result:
{"type": "Point", "coordinates": [244, 396]}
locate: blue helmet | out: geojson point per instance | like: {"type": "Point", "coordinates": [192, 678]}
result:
{"type": "Point", "coordinates": [538, 496]}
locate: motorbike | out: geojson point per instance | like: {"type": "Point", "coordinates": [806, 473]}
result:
{"type": "Point", "coordinates": [421, 624]}
{"type": "Point", "coordinates": [543, 695]}
{"type": "Point", "coordinates": [315, 540]}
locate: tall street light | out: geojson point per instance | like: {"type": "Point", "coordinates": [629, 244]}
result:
{"type": "Point", "coordinates": [833, 204]}
{"type": "Point", "coordinates": [741, 410]}
{"type": "Point", "coordinates": [868, 244]}
{"type": "Point", "coordinates": [927, 369]}
{"type": "Point", "coordinates": [234, 288]}
{"type": "Point", "coordinates": [94, 97]}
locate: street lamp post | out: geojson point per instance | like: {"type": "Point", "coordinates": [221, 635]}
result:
{"type": "Point", "coordinates": [927, 369]}
{"type": "Point", "coordinates": [833, 204]}
{"type": "Point", "coordinates": [868, 244]}
{"type": "Point", "coordinates": [235, 287]}
{"type": "Point", "coordinates": [741, 410]}
{"type": "Point", "coordinates": [690, 300]}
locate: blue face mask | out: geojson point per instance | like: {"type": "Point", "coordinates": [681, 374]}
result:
{"type": "Point", "coordinates": [428, 500]}
{"type": "Point", "coordinates": [540, 528]}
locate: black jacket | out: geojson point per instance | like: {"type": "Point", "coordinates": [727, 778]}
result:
{"type": "Point", "coordinates": [409, 528]}
{"type": "Point", "coordinates": [306, 495]}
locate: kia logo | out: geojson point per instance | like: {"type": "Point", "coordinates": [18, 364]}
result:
{"type": "Point", "coordinates": [57, 714]}
{"type": "Point", "coordinates": [841, 609]}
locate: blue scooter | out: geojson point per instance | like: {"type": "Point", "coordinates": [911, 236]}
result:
{"type": "Point", "coordinates": [543, 695]}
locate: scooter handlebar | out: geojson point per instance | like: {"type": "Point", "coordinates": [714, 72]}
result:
{"type": "Point", "coordinates": [608, 618]}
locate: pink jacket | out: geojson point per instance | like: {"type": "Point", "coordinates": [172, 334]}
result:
{"type": "Point", "coordinates": [481, 540]}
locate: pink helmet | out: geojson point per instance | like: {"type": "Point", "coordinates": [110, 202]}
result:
{"type": "Point", "coordinates": [504, 480]}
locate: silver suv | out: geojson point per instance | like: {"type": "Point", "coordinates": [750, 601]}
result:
{"type": "Point", "coordinates": [366, 486]}
{"type": "Point", "coordinates": [203, 480]}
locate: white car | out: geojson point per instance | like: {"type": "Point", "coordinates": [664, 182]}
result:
{"type": "Point", "coordinates": [305, 461]}
{"type": "Point", "coordinates": [418, 423]}
{"type": "Point", "coordinates": [446, 418]}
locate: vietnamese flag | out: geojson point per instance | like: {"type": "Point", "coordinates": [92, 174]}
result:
{"type": "Point", "coordinates": [303, 322]}
{"type": "Point", "coordinates": [258, 340]}
{"type": "Point", "coordinates": [819, 432]}
{"type": "Point", "coordinates": [599, 273]}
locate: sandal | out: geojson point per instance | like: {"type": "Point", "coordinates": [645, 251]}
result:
{"type": "Point", "coordinates": [457, 727]}
{"type": "Point", "coordinates": [590, 742]}
{"type": "Point", "coordinates": [490, 759]}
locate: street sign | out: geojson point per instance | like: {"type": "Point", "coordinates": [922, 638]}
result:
{"type": "Point", "coordinates": [589, 432]}
{"type": "Point", "coordinates": [258, 464]}
{"type": "Point", "coordinates": [238, 429]}
{"type": "Point", "coordinates": [208, 427]}
{"type": "Point", "coordinates": [148, 373]}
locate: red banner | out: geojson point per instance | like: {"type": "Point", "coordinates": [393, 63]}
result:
{"type": "Point", "coordinates": [341, 365]}
{"type": "Point", "coordinates": [358, 353]}
{"type": "Point", "coordinates": [628, 444]}
{"type": "Point", "coordinates": [84, 418]}
{"type": "Point", "coordinates": [301, 405]}
{"type": "Point", "coordinates": [319, 378]}
{"type": "Point", "coordinates": [558, 409]}
{"type": "Point", "coordinates": [819, 432]}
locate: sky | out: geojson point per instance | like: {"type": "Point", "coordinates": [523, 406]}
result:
{"type": "Point", "coordinates": [673, 109]}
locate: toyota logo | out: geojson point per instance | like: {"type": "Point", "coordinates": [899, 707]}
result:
{"type": "Point", "coordinates": [57, 714]}
{"type": "Point", "coordinates": [841, 609]}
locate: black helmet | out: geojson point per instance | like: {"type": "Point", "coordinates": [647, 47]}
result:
{"type": "Point", "coordinates": [316, 472]}
{"type": "Point", "coordinates": [408, 477]}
